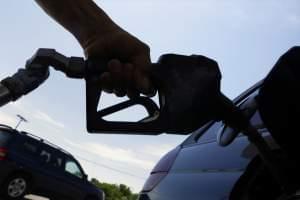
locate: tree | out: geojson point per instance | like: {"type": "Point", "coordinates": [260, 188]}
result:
{"type": "Point", "coordinates": [114, 191]}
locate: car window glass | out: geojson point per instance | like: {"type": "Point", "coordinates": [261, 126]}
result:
{"type": "Point", "coordinates": [45, 156]}
{"type": "Point", "coordinates": [30, 147]}
{"type": "Point", "coordinates": [211, 133]}
{"type": "Point", "coordinates": [73, 168]}
{"type": "Point", "coordinates": [257, 121]}
{"type": "Point", "coordinates": [56, 160]}
{"type": "Point", "coordinates": [197, 134]}
{"type": "Point", "coordinates": [4, 137]}
{"type": "Point", "coordinates": [51, 157]}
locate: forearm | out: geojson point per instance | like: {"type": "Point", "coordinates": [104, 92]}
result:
{"type": "Point", "coordinates": [83, 18]}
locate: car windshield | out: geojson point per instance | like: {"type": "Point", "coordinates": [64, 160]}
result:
{"type": "Point", "coordinates": [4, 137]}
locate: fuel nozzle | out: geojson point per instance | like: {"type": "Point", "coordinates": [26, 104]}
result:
{"type": "Point", "coordinates": [189, 96]}
{"type": "Point", "coordinates": [188, 88]}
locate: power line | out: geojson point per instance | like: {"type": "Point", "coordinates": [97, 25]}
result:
{"type": "Point", "coordinates": [110, 168]}
{"type": "Point", "coordinates": [103, 165]}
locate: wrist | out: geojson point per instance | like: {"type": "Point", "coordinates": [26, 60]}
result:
{"type": "Point", "coordinates": [90, 21]}
{"type": "Point", "coordinates": [92, 31]}
{"type": "Point", "coordinates": [83, 18]}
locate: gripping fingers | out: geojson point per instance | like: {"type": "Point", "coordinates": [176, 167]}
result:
{"type": "Point", "coordinates": [143, 84]}
{"type": "Point", "coordinates": [106, 82]}
{"type": "Point", "coordinates": [125, 78]}
{"type": "Point", "coordinates": [116, 70]}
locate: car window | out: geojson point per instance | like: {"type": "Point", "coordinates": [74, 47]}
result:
{"type": "Point", "coordinates": [4, 137]}
{"type": "Point", "coordinates": [73, 168]}
{"type": "Point", "coordinates": [256, 120]}
{"type": "Point", "coordinates": [197, 134]}
{"type": "Point", "coordinates": [51, 157]}
{"type": "Point", "coordinates": [56, 161]}
{"type": "Point", "coordinates": [28, 146]}
{"type": "Point", "coordinates": [45, 155]}
{"type": "Point", "coordinates": [210, 134]}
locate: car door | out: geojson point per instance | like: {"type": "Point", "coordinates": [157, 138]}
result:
{"type": "Point", "coordinates": [74, 179]}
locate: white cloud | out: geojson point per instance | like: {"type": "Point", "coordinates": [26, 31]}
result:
{"type": "Point", "coordinates": [19, 105]}
{"type": "Point", "coordinates": [7, 119]}
{"type": "Point", "coordinates": [158, 150]}
{"type": "Point", "coordinates": [114, 153]}
{"type": "Point", "coordinates": [26, 109]}
{"type": "Point", "coordinates": [46, 118]}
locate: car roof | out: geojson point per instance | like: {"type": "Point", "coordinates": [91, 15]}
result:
{"type": "Point", "coordinates": [6, 127]}
{"type": "Point", "coordinates": [34, 137]}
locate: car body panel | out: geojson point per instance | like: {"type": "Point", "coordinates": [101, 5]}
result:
{"type": "Point", "coordinates": [204, 170]}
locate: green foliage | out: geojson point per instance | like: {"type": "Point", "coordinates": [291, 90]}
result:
{"type": "Point", "coordinates": [114, 191]}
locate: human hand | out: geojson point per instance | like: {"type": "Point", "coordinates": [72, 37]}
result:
{"type": "Point", "coordinates": [128, 58]}
{"type": "Point", "coordinates": [128, 63]}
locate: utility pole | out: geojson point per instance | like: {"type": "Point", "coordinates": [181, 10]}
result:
{"type": "Point", "coordinates": [21, 119]}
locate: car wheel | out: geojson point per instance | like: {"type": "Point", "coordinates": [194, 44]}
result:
{"type": "Point", "coordinates": [15, 187]}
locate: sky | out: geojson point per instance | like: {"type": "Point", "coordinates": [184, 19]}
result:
{"type": "Point", "coordinates": [244, 37]}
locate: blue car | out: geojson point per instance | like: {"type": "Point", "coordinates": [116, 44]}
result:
{"type": "Point", "coordinates": [29, 164]}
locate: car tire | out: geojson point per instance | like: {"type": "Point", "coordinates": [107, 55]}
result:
{"type": "Point", "coordinates": [15, 187]}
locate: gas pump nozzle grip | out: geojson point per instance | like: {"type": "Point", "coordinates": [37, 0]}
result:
{"type": "Point", "coordinates": [188, 87]}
